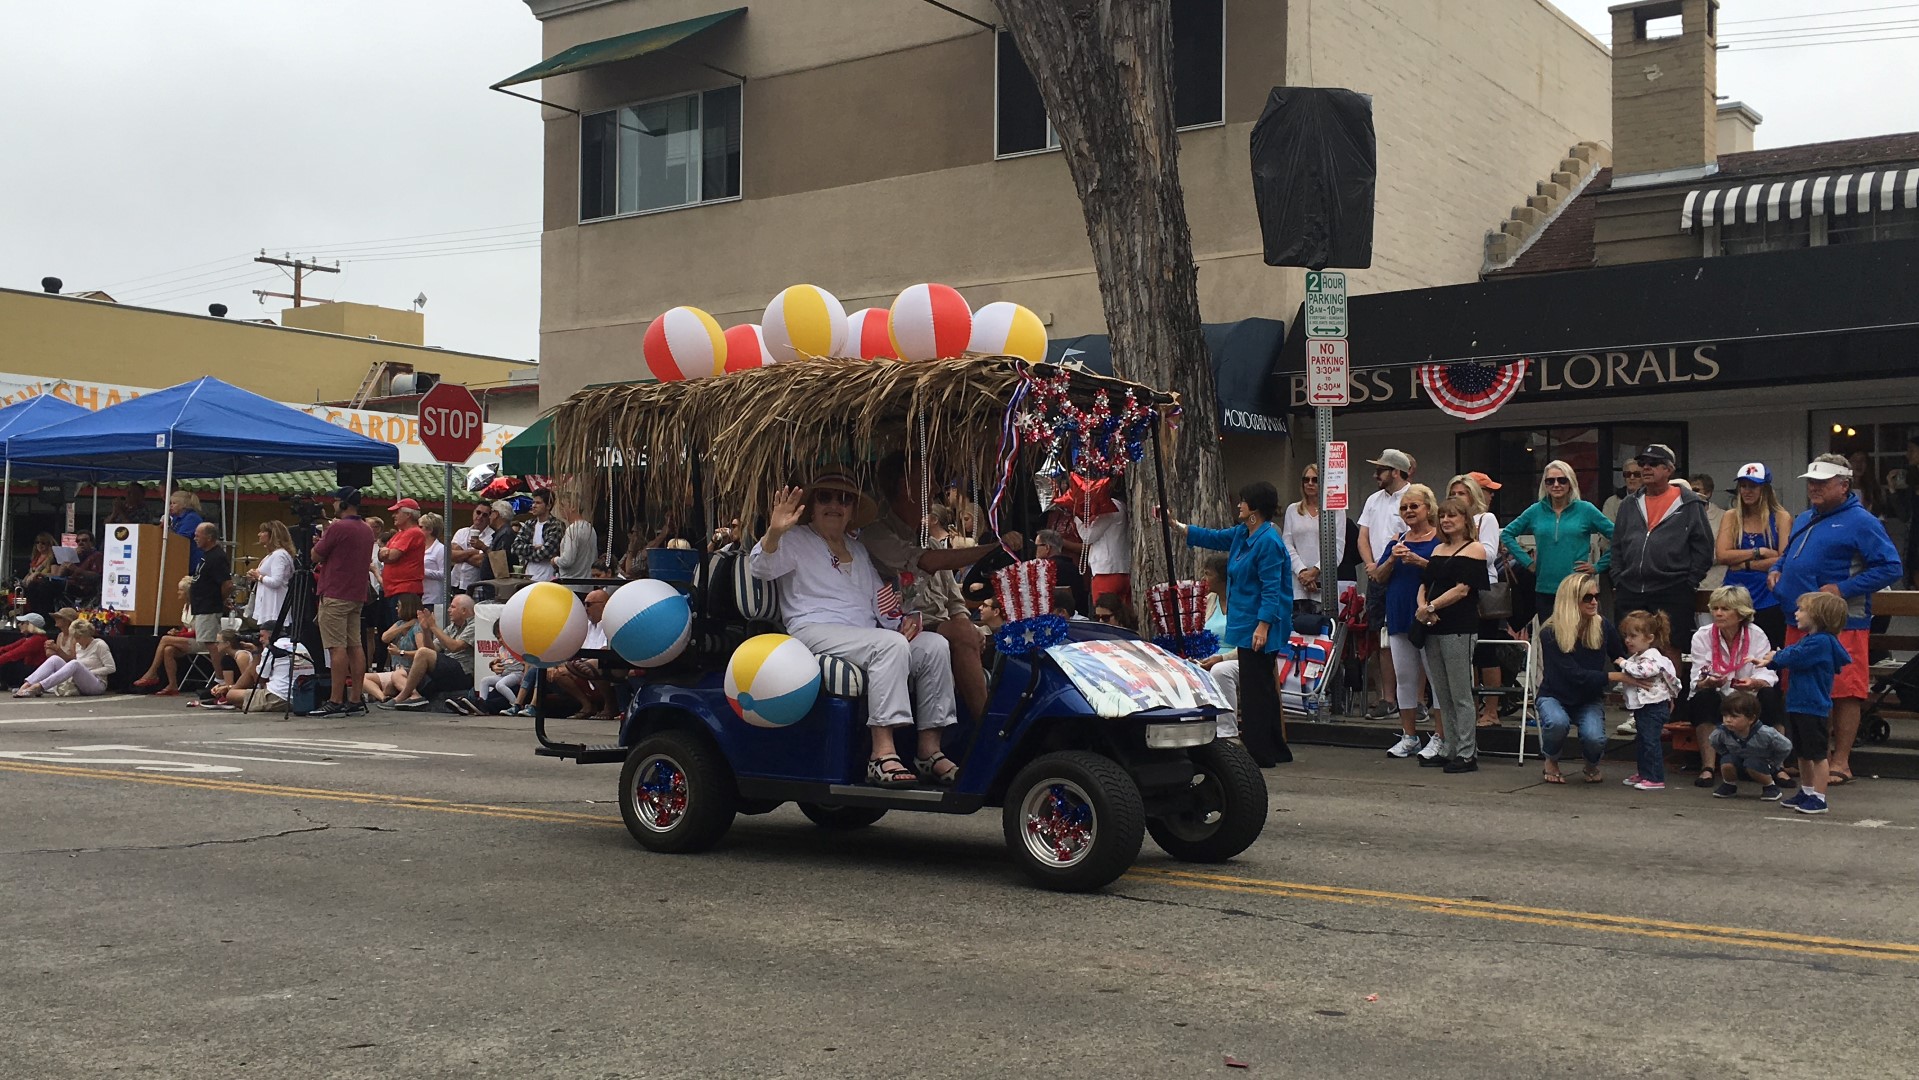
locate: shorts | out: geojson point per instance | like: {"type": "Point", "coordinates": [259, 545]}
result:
{"type": "Point", "coordinates": [206, 631]}
{"type": "Point", "coordinates": [1756, 764]}
{"type": "Point", "coordinates": [1855, 679]}
{"type": "Point", "coordinates": [447, 677]}
{"type": "Point", "coordinates": [1809, 735]}
{"type": "Point", "coordinates": [260, 699]}
{"type": "Point", "coordinates": [340, 623]}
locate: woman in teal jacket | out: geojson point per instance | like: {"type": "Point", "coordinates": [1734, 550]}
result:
{"type": "Point", "coordinates": [1259, 614]}
{"type": "Point", "coordinates": [1562, 526]}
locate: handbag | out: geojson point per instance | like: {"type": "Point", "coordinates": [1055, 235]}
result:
{"type": "Point", "coordinates": [1416, 634]}
{"type": "Point", "coordinates": [1496, 599]}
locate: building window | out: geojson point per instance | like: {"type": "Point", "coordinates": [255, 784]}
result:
{"type": "Point", "coordinates": [1199, 89]}
{"type": "Point", "coordinates": [659, 155]}
{"type": "Point", "coordinates": [1873, 225]}
{"type": "Point", "coordinates": [1782, 235]}
{"type": "Point", "coordinates": [1598, 454]}
{"type": "Point", "coordinates": [1874, 441]}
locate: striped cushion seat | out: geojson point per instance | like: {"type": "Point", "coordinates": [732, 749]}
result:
{"type": "Point", "coordinates": [841, 678]}
{"type": "Point", "coordinates": [758, 601]}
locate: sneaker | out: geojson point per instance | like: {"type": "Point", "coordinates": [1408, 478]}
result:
{"type": "Point", "coordinates": [411, 706]}
{"type": "Point", "coordinates": [1630, 727]}
{"type": "Point", "coordinates": [1405, 747]}
{"type": "Point", "coordinates": [1430, 751]}
{"type": "Point", "coordinates": [1634, 780]}
{"type": "Point", "coordinates": [1434, 762]}
{"type": "Point", "coordinates": [1382, 710]}
{"type": "Point", "coordinates": [328, 708]}
{"type": "Point", "coordinates": [452, 705]}
{"type": "Point", "coordinates": [1792, 801]}
{"type": "Point", "coordinates": [355, 708]}
{"type": "Point", "coordinates": [1651, 785]}
{"type": "Point", "coordinates": [1811, 804]}
{"type": "Point", "coordinates": [386, 705]}
{"type": "Point", "coordinates": [1462, 764]}
{"type": "Point", "coordinates": [1770, 793]}
{"type": "Point", "coordinates": [1725, 791]}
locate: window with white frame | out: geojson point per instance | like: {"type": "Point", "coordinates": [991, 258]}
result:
{"type": "Point", "coordinates": [658, 155]}
{"type": "Point", "coordinates": [1199, 89]}
{"type": "Point", "coordinates": [1782, 235]}
{"type": "Point", "coordinates": [1902, 224]}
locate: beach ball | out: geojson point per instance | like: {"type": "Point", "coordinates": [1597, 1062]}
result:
{"type": "Point", "coordinates": [930, 322]}
{"type": "Point", "coordinates": [772, 680]}
{"type": "Point", "coordinates": [1007, 329]}
{"type": "Point", "coordinates": [746, 348]}
{"type": "Point", "coordinates": [802, 321]}
{"type": "Point", "coordinates": [647, 622]}
{"type": "Point", "coordinates": [544, 624]}
{"type": "Point", "coordinates": [867, 335]}
{"type": "Point", "coordinates": [684, 343]}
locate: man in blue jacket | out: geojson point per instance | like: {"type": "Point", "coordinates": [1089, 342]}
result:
{"type": "Point", "coordinates": [1840, 548]}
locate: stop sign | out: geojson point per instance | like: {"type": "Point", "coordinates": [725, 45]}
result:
{"type": "Point", "coordinates": [450, 422]}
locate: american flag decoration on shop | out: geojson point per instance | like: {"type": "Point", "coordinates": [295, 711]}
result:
{"type": "Point", "coordinates": [1473, 391]}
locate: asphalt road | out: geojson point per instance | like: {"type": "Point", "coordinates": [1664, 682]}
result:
{"type": "Point", "coordinates": [419, 896]}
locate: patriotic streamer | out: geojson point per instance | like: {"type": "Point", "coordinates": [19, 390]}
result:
{"type": "Point", "coordinates": [1472, 391]}
{"type": "Point", "coordinates": [1025, 594]}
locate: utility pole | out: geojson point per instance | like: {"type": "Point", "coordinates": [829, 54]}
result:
{"type": "Point", "coordinates": [300, 268]}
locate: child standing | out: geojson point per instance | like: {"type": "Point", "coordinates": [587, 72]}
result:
{"type": "Point", "coordinates": [1744, 745]}
{"type": "Point", "coordinates": [1812, 662]}
{"type": "Point", "coordinates": [1652, 682]}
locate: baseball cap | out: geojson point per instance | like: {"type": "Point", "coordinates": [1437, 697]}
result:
{"type": "Point", "coordinates": [406, 504]}
{"type": "Point", "coordinates": [1753, 472]}
{"type": "Point", "coordinates": [1657, 454]}
{"type": "Point", "coordinates": [1825, 470]}
{"type": "Point", "coordinates": [1393, 459]}
{"type": "Point", "coordinates": [348, 495]}
{"type": "Point", "coordinates": [1485, 481]}
{"type": "Point", "coordinates": [33, 619]}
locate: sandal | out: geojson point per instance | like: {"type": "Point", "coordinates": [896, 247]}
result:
{"type": "Point", "coordinates": [1593, 775]}
{"type": "Point", "coordinates": [1835, 778]}
{"type": "Point", "coordinates": [1552, 777]}
{"type": "Point", "coordinates": [1706, 778]}
{"type": "Point", "coordinates": [928, 769]}
{"type": "Point", "coordinates": [890, 771]}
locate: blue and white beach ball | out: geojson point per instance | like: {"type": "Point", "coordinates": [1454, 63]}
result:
{"type": "Point", "coordinates": [772, 680]}
{"type": "Point", "coordinates": [647, 622]}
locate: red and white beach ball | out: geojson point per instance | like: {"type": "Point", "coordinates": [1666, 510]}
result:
{"type": "Point", "coordinates": [746, 348]}
{"type": "Point", "coordinates": [1007, 329]}
{"type": "Point", "coordinates": [802, 321]}
{"type": "Point", "coordinates": [868, 336]}
{"type": "Point", "coordinates": [930, 322]}
{"type": "Point", "coordinates": [684, 343]}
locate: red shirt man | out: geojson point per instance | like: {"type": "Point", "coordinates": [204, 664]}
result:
{"type": "Point", "coordinates": [404, 556]}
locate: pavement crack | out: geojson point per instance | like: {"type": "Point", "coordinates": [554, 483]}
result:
{"type": "Point", "coordinates": [322, 827]}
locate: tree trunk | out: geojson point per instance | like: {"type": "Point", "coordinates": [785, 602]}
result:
{"type": "Point", "coordinates": [1104, 69]}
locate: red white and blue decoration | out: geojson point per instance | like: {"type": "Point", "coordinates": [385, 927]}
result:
{"type": "Point", "coordinates": [1178, 612]}
{"type": "Point", "coordinates": [1471, 390]}
{"type": "Point", "coordinates": [1097, 442]}
{"type": "Point", "coordinates": [1025, 594]}
{"type": "Point", "coordinates": [647, 622]}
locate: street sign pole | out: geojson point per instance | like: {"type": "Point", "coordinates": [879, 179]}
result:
{"type": "Point", "coordinates": [1328, 525]}
{"type": "Point", "coordinates": [1328, 374]}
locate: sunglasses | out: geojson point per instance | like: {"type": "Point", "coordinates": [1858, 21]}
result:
{"type": "Point", "coordinates": [1309, 478]}
{"type": "Point", "coordinates": [1105, 616]}
{"type": "Point", "coordinates": [832, 497]}
{"type": "Point", "coordinates": [1633, 474]}
{"type": "Point", "coordinates": [1557, 481]}
{"type": "Point", "coordinates": [1589, 598]}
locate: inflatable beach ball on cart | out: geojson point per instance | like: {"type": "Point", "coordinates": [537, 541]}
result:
{"type": "Point", "coordinates": [772, 680]}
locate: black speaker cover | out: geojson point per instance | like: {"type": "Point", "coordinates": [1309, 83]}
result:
{"type": "Point", "coordinates": [357, 475]}
{"type": "Point", "coordinates": [1315, 161]}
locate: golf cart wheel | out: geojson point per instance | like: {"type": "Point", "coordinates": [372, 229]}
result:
{"type": "Point", "coordinates": [676, 793]}
{"type": "Point", "coordinates": [1074, 821]}
{"type": "Point", "coordinates": [841, 818]}
{"type": "Point", "coordinates": [1222, 815]}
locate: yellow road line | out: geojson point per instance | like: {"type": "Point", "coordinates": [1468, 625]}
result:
{"type": "Point", "coordinates": [1572, 920]}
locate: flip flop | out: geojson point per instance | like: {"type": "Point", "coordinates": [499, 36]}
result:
{"type": "Point", "coordinates": [1553, 777]}
{"type": "Point", "coordinates": [1593, 776]}
{"type": "Point", "coordinates": [1837, 779]}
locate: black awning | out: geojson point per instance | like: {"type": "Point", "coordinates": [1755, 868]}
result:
{"type": "Point", "coordinates": [1244, 356]}
{"type": "Point", "coordinates": [639, 43]}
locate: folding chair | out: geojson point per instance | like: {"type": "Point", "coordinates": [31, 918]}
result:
{"type": "Point", "coordinates": [1528, 681]}
{"type": "Point", "coordinates": [199, 666]}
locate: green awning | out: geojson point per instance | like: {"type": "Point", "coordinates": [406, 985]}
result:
{"type": "Point", "coordinates": [527, 452]}
{"type": "Point", "coordinates": [421, 481]}
{"type": "Point", "coordinates": [614, 49]}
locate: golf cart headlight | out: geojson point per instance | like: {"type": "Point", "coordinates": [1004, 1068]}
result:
{"type": "Point", "coordinates": [1178, 736]}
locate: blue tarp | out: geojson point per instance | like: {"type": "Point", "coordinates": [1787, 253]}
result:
{"type": "Point", "coordinates": [208, 427]}
{"type": "Point", "coordinates": [36, 412]}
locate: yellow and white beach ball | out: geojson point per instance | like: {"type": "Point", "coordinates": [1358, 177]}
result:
{"type": "Point", "coordinates": [746, 348]}
{"type": "Point", "coordinates": [930, 322]}
{"type": "Point", "coordinates": [647, 622]}
{"type": "Point", "coordinates": [802, 321]}
{"type": "Point", "coordinates": [772, 680]}
{"type": "Point", "coordinates": [868, 336]}
{"type": "Point", "coordinates": [684, 343]}
{"type": "Point", "coordinates": [544, 624]}
{"type": "Point", "coordinates": [1007, 329]}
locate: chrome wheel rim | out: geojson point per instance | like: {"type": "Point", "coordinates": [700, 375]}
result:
{"type": "Point", "coordinates": [659, 794]}
{"type": "Point", "coordinates": [1059, 823]}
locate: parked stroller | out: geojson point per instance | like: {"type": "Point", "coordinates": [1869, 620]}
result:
{"type": "Point", "coordinates": [1902, 687]}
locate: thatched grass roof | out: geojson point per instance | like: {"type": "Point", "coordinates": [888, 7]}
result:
{"type": "Point", "coordinates": [750, 431]}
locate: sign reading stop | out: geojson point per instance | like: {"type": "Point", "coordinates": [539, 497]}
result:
{"type": "Point", "coordinates": [450, 423]}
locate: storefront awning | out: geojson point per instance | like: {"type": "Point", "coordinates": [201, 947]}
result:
{"type": "Point", "coordinates": [611, 50]}
{"type": "Point", "coordinates": [1826, 195]}
{"type": "Point", "coordinates": [526, 453]}
{"type": "Point", "coordinates": [1244, 354]}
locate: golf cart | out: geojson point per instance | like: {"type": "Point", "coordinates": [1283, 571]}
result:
{"type": "Point", "coordinates": [1087, 744]}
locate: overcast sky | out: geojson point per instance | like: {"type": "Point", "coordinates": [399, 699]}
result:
{"type": "Point", "coordinates": [151, 148]}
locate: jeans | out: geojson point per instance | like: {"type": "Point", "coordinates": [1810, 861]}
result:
{"type": "Point", "coordinates": [1555, 719]}
{"type": "Point", "coordinates": [1650, 720]}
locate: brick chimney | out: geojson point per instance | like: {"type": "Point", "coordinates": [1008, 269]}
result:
{"type": "Point", "coordinates": [1665, 111]}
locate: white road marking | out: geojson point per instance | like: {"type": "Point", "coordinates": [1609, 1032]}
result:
{"type": "Point", "coordinates": [57, 757]}
{"type": "Point", "coordinates": [97, 716]}
{"type": "Point", "coordinates": [183, 753]}
{"type": "Point", "coordinates": [338, 746]}
{"type": "Point", "coordinates": [1862, 823]}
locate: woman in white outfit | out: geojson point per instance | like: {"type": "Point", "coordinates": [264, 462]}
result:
{"type": "Point", "coordinates": [434, 587]}
{"type": "Point", "coordinates": [829, 598]}
{"type": "Point", "coordinates": [273, 575]}
{"type": "Point", "coordinates": [1300, 530]}
{"type": "Point", "coordinates": [88, 669]}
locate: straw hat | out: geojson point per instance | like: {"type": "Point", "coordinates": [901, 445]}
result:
{"type": "Point", "coordinates": [865, 510]}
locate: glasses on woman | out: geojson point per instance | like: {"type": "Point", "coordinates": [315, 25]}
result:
{"type": "Point", "coordinates": [831, 497]}
{"type": "Point", "coordinates": [1309, 478]}
{"type": "Point", "coordinates": [1634, 474]}
{"type": "Point", "coordinates": [1589, 598]}
{"type": "Point", "coordinates": [1105, 616]}
{"type": "Point", "coordinates": [1557, 481]}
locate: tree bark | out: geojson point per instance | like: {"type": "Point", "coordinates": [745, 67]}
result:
{"type": "Point", "coordinates": [1104, 69]}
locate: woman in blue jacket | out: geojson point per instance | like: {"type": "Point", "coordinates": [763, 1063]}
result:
{"type": "Point", "coordinates": [1562, 526]}
{"type": "Point", "coordinates": [1259, 613]}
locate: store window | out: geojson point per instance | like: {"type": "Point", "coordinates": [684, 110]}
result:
{"type": "Point", "coordinates": [1199, 89]}
{"type": "Point", "coordinates": [1598, 453]}
{"type": "Point", "coordinates": [1874, 442]}
{"type": "Point", "coordinates": [1782, 235]}
{"type": "Point", "coordinates": [660, 155]}
{"type": "Point", "coordinates": [1874, 225]}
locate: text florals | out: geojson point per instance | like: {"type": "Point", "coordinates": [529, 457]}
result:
{"type": "Point", "coordinates": [1588, 372]}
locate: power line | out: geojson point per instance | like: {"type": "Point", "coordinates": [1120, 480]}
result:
{"type": "Point", "coordinates": [141, 296]}
{"type": "Point", "coordinates": [441, 254]}
{"type": "Point", "coordinates": [190, 291]}
{"type": "Point", "coordinates": [1793, 18]}
{"type": "Point", "coordinates": [416, 236]}
{"type": "Point", "coordinates": [175, 270]}
{"type": "Point", "coordinates": [1811, 44]}
{"type": "Point", "coordinates": [168, 283]}
{"type": "Point", "coordinates": [389, 249]}
{"type": "Point", "coordinates": [1824, 31]}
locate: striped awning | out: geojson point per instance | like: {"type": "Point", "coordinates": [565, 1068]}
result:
{"type": "Point", "coordinates": [1832, 194]}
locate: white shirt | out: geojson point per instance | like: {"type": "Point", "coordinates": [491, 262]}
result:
{"type": "Point", "coordinates": [464, 576]}
{"type": "Point", "coordinates": [814, 592]}
{"type": "Point", "coordinates": [434, 591]}
{"type": "Point", "coordinates": [595, 635]}
{"type": "Point", "coordinates": [281, 670]}
{"type": "Point", "coordinates": [1300, 531]}
{"type": "Point", "coordinates": [97, 658]}
{"type": "Point", "coordinates": [1489, 536]}
{"type": "Point", "coordinates": [270, 592]}
{"type": "Point", "coordinates": [1380, 519]}
{"type": "Point", "coordinates": [1108, 551]}
{"type": "Point", "coordinates": [541, 571]}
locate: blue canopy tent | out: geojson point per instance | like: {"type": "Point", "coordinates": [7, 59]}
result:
{"type": "Point", "coordinates": [196, 429]}
{"type": "Point", "coordinates": [32, 414]}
